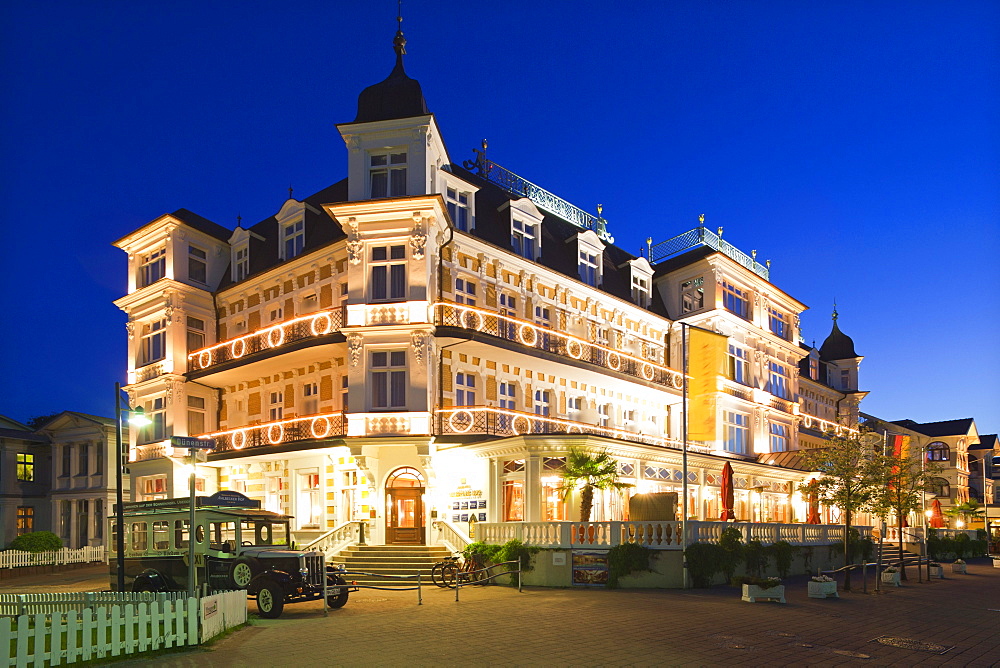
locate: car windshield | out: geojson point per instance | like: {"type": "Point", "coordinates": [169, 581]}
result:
{"type": "Point", "coordinates": [263, 532]}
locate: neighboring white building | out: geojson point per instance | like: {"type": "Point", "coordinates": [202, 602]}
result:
{"type": "Point", "coordinates": [423, 339]}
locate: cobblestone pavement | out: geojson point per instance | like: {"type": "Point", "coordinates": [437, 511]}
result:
{"type": "Point", "coordinates": [497, 626]}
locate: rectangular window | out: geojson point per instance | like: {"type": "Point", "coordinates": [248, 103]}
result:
{"type": "Point", "coordinates": [523, 238]}
{"type": "Point", "coordinates": [152, 488]}
{"type": "Point", "coordinates": [465, 291]}
{"type": "Point", "coordinates": [588, 268]}
{"type": "Point", "coordinates": [543, 402]}
{"type": "Point", "coordinates": [778, 380]}
{"type": "Point", "coordinates": [513, 500]}
{"type": "Point", "coordinates": [67, 460]}
{"type": "Point", "coordinates": [309, 506]}
{"type": "Point", "coordinates": [241, 262]}
{"type": "Point", "coordinates": [161, 535]}
{"type": "Point", "coordinates": [465, 389]}
{"type": "Point", "coordinates": [737, 432]}
{"type": "Point", "coordinates": [604, 414]}
{"type": "Point", "coordinates": [154, 342]}
{"type": "Point", "coordinates": [153, 268]}
{"type": "Point", "coordinates": [778, 324]}
{"type": "Point", "coordinates": [739, 364]}
{"type": "Point", "coordinates": [458, 209]}
{"type": "Point", "coordinates": [99, 459]}
{"type": "Point", "coordinates": [779, 437]}
{"type": "Point", "coordinates": [196, 415]}
{"type": "Point", "coordinates": [276, 411]}
{"type": "Point", "coordinates": [693, 295]}
{"type": "Point", "coordinates": [139, 538]}
{"type": "Point", "coordinates": [195, 334]}
{"type": "Point", "coordinates": [508, 396]}
{"type": "Point", "coordinates": [640, 290]}
{"type": "Point", "coordinates": [344, 384]}
{"type": "Point", "coordinates": [84, 459]}
{"type": "Point", "coordinates": [845, 379]}
{"type": "Point", "coordinates": [156, 430]}
{"type": "Point", "coordinates": [387, 174]}
{"type": "Point", "coordinates": [310, 398]}
{"type": "Point", "coordinates": [389, 380]}
{"type": "Point", "coordinates": [736, 300]}
{"type": "Point", "coordinates": [25, 519]}
{"type": "Point", "coordinates": [98, 517]}
{"type": "Point", "coordinates": [25, 467]}
{"type": "Point", "coordinates": [814, 368]}
{"type": "Point", "coordinates": [388, 273]}
{"type": "Point", "coordinates": [197, 265]}
{"type": "Point", "coordinates": [293, 239]}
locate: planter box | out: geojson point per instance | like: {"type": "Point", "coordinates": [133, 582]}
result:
{"type": "Point", "coordinates": [823, 590]}
{"type": "Point", "coordinates": [958, 568]}
{"type": "Point", "coordinates": [891, 578]}
{"type": "Point", "coordinates": [752, 592]}
{"type": "Point", "coordinates": [996, 563]}
{"type": "Point", "coordinates": [935, 572]}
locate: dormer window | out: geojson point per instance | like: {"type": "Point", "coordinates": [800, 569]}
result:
{"type": "Point", "coordinates": [458, 209]}
{"type": "Point", "coordinates": [387, 174]}
{"type": "Point", "coordinates": [241, 262]}
{"type": "Point", "coordinates": [640, 290]}
{"type": "Point", "coordinates": [154, 267]}
{"type": "Point", "coordinates": [293, 239]}
{"type": "Point", "coordinates": [523, 239]}
{"type": "Point", "coordinates": [693, 295]}
{"type": "Point", "coordinates": [197, 264]}
{"type": "Point", "coordinates": [589, 269]}
{"type": "Point", "coordinates": [778, 323]}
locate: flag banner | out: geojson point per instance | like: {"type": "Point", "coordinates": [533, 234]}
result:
{"type": "Point", "coordinates": [706, 367]}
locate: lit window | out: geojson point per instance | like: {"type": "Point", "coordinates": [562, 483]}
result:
{"type": "Point", "coordinates": [543, 401]}
{"type": "Point", "coordinates": [523, 236]}
{"type": "Point", "coordinates": [197, 264]}
{"type": "Point", "coordinates": [814, 368]}
{"type": "Point", "coordinates": [465, 291]}
{"type": "Point", "coordinates": [778, 381]}
{"type": "Point", "coordinates": [588, 268]}
{"type": "Point", "coordinates": [241, 262]}
{"type": "Point", "coordinates": [940, 487]}
{"type": "Point", "coordinates": [310, 396]}
{"type": "Point", "coordinates": [604, 414]}
{"type": "Point", "coordinates": [389, 379]}
{"type": "Point", "coordinates": [25, 467]}
{"type": "Point", "coordinates": [154, 342]}
{"type": "Point", "coordinates": [293, 239]}
{"type": "Point", "coordinates": [736, 300]}
{"type": "Point", "coordinates": [25, 519]}
{"type": "Point", "coordinates": [388, 273]}
{"type": "Point", "coordinates": [938, 451]}
{"type": "Point", "coordinates": [737, 432]}
{"type": "Point", "coordinates": [277, 409]}
{"type": "Point", "coordinates": [778, 323]}
{"type": "Point", "coordinates": [693, 295]}
{"type": "Point", "coordinates": [152, 488]}
{"type": "Point", "coordinates": [195, 334]}
{"type": "Point", "coordinates": [779, 437]}
{"type": "Point", "coordinates": [513, 500]}
{"type": "Point", "coordinates": [196, 415]}
{"type": "Point", "coordinates": [465, 389]}
{"type": "Point", "coordinates": [739, 364]}
{"type": "Point", "coordinates": [640, 290]}
{"type": "Point", "coordinates": [274, 315]}
{"type": "Point", "coordinates": [508, 396]}
{"type": "Point", "coordinates": [543, 318]}
{"type": "Point", "coordinates": [153, 268]}
{"type": "Point", "coordinates": [458, 208]}
{"type": "Point", "coordinates": [387, 174]}
{"type": "Point", "coordinates": [156, 430]}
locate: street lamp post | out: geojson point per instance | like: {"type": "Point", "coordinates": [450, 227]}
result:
{"type": "Point", "coordinates": [139, 419]}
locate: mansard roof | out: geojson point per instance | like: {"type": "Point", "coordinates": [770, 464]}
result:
{"type": "Point", "coordinates": [398, 96]}
{"type": "Point", "coordinates": [202, 224]}
{"type": "Point", "coordinates": [958, 427]}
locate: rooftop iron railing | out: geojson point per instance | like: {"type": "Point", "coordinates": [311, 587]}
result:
{"type": "Point", "coordinates": [702, 236]}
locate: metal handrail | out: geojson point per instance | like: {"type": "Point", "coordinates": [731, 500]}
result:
{"type": "Point", "coordinates": [418, 588]}
{"type": "Point", "coordinates": [465, 575]}
{"type": "Point", "coordinates": [864, 573]}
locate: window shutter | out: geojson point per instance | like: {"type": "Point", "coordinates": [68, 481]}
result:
{"type": "Point", "coordinates": [253, 404]}
{"type": "Point", "coordinates": [289, 396]}
{"type": "Point", "coordinates": [223, 411]}
{"type": "Point", "coordinates": [326, 388]}
{"type": "Point", "coordinates": [326, 296]}
{"type": "Point", "coordinates": [253, 321]}
{"type": "Point", "coordinates": [289, 311]}
{"type": "Point", "coordinates": [491, 388]}
{"type": "Point", "coordinates": [446, 279]}
{"type": "Point", "coordinates": [528, 310]}
{"type": "Point", "coordinates": [562, 403]}
{"type": "Point", "coordinates": [491, 295]}
{"type": "Point", "coordinates": [222, 331]}
{"type": "Point", "coordinates": [446, 378]}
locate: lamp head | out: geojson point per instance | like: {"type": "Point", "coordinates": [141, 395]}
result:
{"type": "Point", "coordinates": [137, 417]}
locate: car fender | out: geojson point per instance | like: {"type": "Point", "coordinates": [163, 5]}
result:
{"type": "Point", "coordinates": [151, 579]}
{"type": "Point", "coordinates": [280, 577]}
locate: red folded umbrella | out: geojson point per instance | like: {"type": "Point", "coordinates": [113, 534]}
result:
{"type": "Point", "coordinates": [728, 494]}
{"type": "Point", "coordinates": [937, 518]}
{"type": "Point", "coordinates": [813, 516]}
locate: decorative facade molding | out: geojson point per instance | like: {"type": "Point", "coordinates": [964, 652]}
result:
{"type": "Point", "coordinates": [419, 341]}
{"type": "Point", "coordinates": [354, 345]}
{"type": "Point", "coordinates": [354, 245]}
{"type": "Point", "coordinates": [418, 238]}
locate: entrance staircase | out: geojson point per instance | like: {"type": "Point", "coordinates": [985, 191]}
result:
{"type": "Point", "coordinates": [390, 560]}
{"type": "Point", "coordinates": [890, 555]}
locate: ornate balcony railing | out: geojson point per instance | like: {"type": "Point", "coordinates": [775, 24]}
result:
{"type": "Point", "coordinates": [491, 421]}
{"type": "Point", "coordinates": [142, 453]}
{"type": "Point", "coordinates": [309, 428]}
{"type": "Point", "coordinates": [543, 338]}
{"type": "Point", "coordinates": [543, 199]}
{"type": "Point", "coordinates": [825, 426]}
{"type": "Point", "coordinates": [702, 236]}
{"type": "Point", "coordinates": [148, 372]}
{"type": "Point", "coordinates": [304, 327]}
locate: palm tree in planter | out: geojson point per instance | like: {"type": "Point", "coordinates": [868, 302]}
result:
{"type": "Point", "coordinates": [588, 472]}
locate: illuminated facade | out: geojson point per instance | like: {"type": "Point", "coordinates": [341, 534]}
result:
{"type": "Point", "coordinates": [423, 339]}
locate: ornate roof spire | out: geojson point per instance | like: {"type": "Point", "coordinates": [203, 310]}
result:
{"type": "Point", "coordinates": [835, 314]}
{"type": "Point", "coordinates": [399, 42]}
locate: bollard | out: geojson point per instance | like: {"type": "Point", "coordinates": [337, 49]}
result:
{"type": "Point", "coordinates": [420, 595]}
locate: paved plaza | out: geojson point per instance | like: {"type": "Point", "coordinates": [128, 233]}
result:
{"type": "Point", "coordinates": [497, 626]}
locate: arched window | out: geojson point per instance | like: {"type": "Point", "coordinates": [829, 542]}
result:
{"type": "Point", "coordinates": [405, 477]}
{"type": "Point", "coordinates": [938, 451]}
{"type": "Point", "coordinates": [940, 488]}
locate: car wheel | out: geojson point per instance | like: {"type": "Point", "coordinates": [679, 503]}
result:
{"type": "Point", "coordinates": [243, 571]}
{"type": "Point", "coordinates": [337, 600]}
{"type": "Point", "coordinates": [270, 600]}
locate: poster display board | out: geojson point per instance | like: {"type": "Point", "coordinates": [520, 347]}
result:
{"type": "Point", "coordinates": [590, 568]}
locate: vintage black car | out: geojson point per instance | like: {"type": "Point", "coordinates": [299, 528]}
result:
{"type": "Point", "coordinates": [237, 546]}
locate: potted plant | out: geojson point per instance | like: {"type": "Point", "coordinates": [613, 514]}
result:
{"type": "Point", "coordinates": [823, 586]}
{"type": "Point", "coordinates": [891, 576]}
{"type": "Point", "coordinates": [996, 561]}
{"type": "Point", "coordinates": [764, 588]}
{"type": "Point", "coordinates": [935, 571]}
{"type": "Point", "coordinates": [958, 566]}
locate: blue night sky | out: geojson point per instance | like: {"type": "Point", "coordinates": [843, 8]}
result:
{"type": "Point", "coordinates": [855, 144]}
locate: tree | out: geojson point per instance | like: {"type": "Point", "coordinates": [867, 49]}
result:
{"type": "Point", "coordinates": [850, 469]}
{"type": "Point", "coordinates": [589, 472]}
{"type": "Point", "coordinates": [968, 511]}
{"type": "Point", "coordinates": [901, 491]}
{"type": "Point", "coordinates": [37, 421]}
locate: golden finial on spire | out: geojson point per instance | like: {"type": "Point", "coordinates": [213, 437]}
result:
{"type": "Point", "coordinates": [835, 314]}
{"type": "Point", "coordinates": [720, 231]}
{"type": "Point", "coordinates": [600, 209]}
{"type": "Point", "coordinates": [701, 219]}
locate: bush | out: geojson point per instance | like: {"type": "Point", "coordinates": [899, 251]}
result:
{"type": "Point", "coordinates": [512, 550]}
{"type": "Point", "coordinates": [783, 553]}
{"type": "Point", "coordinates": [961, 545]}
{"type": "Point", "coordinates": [755, 556]}
{"type": "Point", "coordinates": [731, 544]}
{"type": "Point", "coordinates": [37, 541]}
{"type": "Point", "coordinates": [703, 561]}
{"type": "Point", "coordinates": [626, 558]}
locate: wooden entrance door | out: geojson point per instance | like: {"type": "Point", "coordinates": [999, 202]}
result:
{"type": "Point", "coordinates": [405, 522]}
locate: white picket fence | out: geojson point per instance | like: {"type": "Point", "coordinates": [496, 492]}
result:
{"type": "Point", "coordinates": [15, 605]}
{"type": "Point", "coordinates": [116, 629]}
{"type": "Point", "coordinates": [17, 559]}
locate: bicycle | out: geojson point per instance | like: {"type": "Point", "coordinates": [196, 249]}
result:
{"type": "Point", "coordinates": [450, 570]}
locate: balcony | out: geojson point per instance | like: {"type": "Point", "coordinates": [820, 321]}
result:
{"type": "Point", "coordinates": [309, 428]}
{"type": "Point", "coordinates": [305, 327]}
{"type": "Point", "coordinates": [142, 453]}
{"type": "Point", "coordinates": [490, 421]}
{"type": "Point", "coordinates": [147, 372]}
{"type": "Point", "coordinates": [531, 335]}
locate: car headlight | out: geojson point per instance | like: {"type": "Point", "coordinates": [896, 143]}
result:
{"type": "Point", "coordinates": [303, 571]}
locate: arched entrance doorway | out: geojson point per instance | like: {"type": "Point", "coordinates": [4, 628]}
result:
{"type": "Point", "coordinates": [404, 501]}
